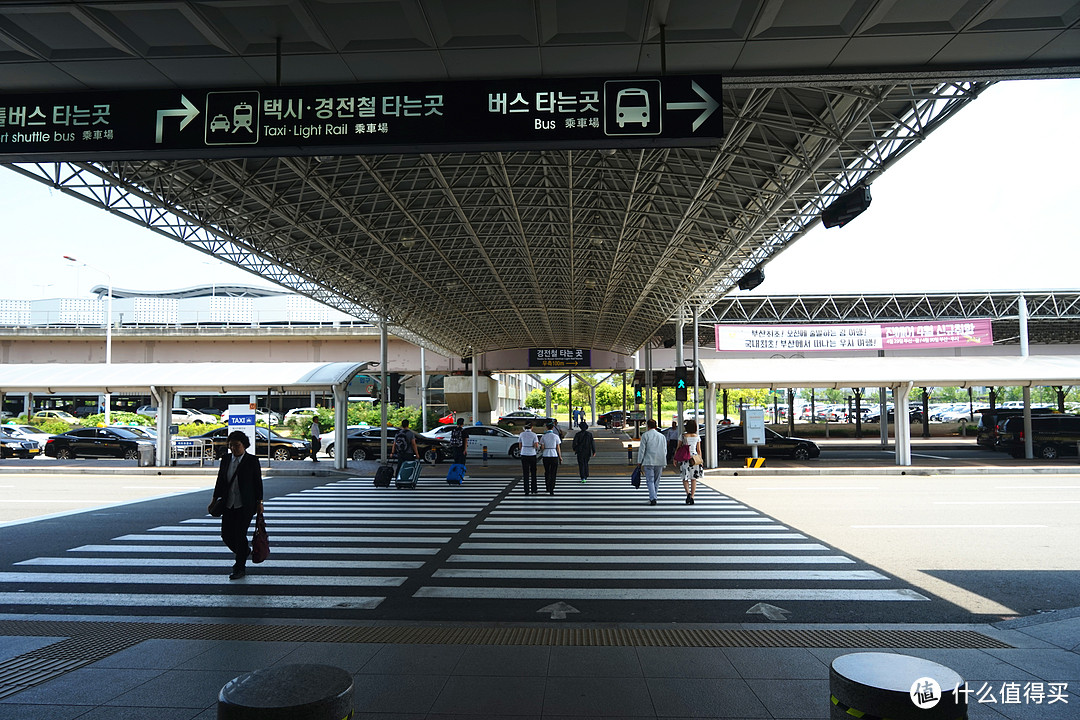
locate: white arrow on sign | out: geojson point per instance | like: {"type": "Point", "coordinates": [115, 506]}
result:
{"type": "Point", "coordinates": [770, 611]}
{"type": "Point", "coordinates": [188, 112]}
{"type": "Point", "coordinates": [558, 610]}
{"type": "Point", "coordinates": [708, 107]}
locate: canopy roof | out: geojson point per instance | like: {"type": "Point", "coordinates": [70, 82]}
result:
{"type": "Point", "coordinates": [921, 371]}
{"type": "Point", "coordinates": [189, 377]}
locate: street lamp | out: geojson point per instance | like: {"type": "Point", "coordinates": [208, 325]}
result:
{"type": "Point", "coordinates": [108, 331]}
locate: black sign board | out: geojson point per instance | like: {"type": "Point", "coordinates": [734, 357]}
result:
{"type": "Point", "coordinates": [358, 119]}
{"type": "Point", "coordinates": [559, 357]}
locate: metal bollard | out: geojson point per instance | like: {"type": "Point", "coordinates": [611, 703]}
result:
{"type": "Point", "coordinates": [890, 685]}
{"type": "Point", "coordinates": [485, 456]}
{"type": "Point", "coordinates": [288, 692]}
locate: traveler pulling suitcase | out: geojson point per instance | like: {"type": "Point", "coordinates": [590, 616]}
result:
{"type": "Point", "coordinates": [409, 474]}
{"type": "Point", "coordinates": [456, 474]}
{"type": "Point", "coordinates": [383, 475]}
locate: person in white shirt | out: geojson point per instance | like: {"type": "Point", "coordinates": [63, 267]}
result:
{"type": "Point", "coordinates": [551, 451]}
{"type": "Point", "coordinates": [688, 448]}
{"type": "Point", "coordinates": [651, 458]}
{"type": "Point", "coordinates": [528, 443]}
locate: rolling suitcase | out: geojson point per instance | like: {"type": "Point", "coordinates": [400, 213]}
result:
{"type": "Point", "coordinates": [409, 474]}
{"type": "Point", "coordinates": [383, 475]}
{"type": "Point", "coordinates": [456, 474]}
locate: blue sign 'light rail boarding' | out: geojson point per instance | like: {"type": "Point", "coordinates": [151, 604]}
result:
{"type": "Point", "coordinates": [356, 119]}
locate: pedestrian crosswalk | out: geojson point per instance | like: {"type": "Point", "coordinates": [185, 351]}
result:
{"type": "Point", "coordinates": [349, 547]}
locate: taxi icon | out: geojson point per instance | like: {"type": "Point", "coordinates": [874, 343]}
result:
{"type": "Point", "coordinates": [219, 123]}
{"type": "Point", "coordinates": [632, 106]}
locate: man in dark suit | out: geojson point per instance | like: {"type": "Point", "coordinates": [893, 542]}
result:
{"type": "Point", "coordinates": [239, 486]}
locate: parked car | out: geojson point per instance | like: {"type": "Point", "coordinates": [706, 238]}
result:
{"type": "Point", "coordinates": [729, 444]}
{"type": "Point", "coordinates": [14, 447]}
{"type": "Point", "coordinates": [499, 442]}
{"type": "Point", "coordinates": [184, 416]}
{"type": "Point", "coordinates": [297, 413]}
{"type": "Point", "coordinates": [281, 448]}
{"type": "Point", "coordinates": [262, 415]}
{"type": "Point", "coordinates": [991, 422]}
{"type": "Point", "coordinates": [26, 432]}
{"type": "Point", "coordinates": [364, 444]}
{"type": "Point", "coordinates": [210, 411]}
{"type": "Point", "coordinates": [61, 415]}
{"type": "Point", "coordinates": [1052, 436]}
{"type": "Point", "coordinates": [149, 411]}
{"type": "Point", "coordinates": [612, 418]}
{"type": "Point", "coordinates": [515, 422]}
{"type": "Point", "coordinates": [95, 443]}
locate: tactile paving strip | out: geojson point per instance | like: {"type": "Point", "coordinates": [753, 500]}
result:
{"type": "Point", "coordinates": [87, 642]}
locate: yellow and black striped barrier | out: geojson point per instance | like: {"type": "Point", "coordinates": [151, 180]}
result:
{"type": "Point", "coordinates": [755, 462]}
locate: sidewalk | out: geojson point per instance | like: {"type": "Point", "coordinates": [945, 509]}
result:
{"type": "Point", "coordinates": [174, 669]}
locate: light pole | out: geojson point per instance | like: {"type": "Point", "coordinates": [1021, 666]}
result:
{"type": "Point", "coordinates": [108, 331]}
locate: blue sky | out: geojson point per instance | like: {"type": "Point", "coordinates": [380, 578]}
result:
{"type": "Point", "coordinates": [987, 202]}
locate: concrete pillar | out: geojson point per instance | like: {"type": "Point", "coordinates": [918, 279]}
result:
{"type": "Point", "coordinates": [341, 421]}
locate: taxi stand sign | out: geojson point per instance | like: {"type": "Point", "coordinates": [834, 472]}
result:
{"type": "Point", "coordinates": [753, 423]}
{"type": "Point", "coordinates": [242, 418]}
{"type": "Point", "coordinates": [532, 113]}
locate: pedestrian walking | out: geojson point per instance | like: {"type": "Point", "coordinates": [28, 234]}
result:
{"type": "Point", "coordinates": [651, 458]}
{"type": "Point", "coordinates": [316, 441]}
{"type": "Point", "coordinates": [528, 445]}
{"type": "Point", "coordinates": [688, 460]}
{"type": "Point", "coordinates": [238, 495]}
{"type": "Point", "coordinates": [671, 434]}
{"type": "Point", "coordinates": [551, 447]}
{"type": "Point", "coordinates": [584, 446]}
{"type": "Point", "coordinates": [404, 445]}
{"type": "Point", "coordinates": [459, 444]}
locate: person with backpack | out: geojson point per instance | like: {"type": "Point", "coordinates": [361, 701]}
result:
{"type": "Point", "coordinates": [405, 445]}
{"type": "Point", "coordinates": [459, 445]}
{"type": "Point", "coordinates": [584, 447]}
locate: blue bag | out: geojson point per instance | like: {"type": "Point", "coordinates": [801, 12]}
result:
{"type": "Point", "coordinates": [635, 477]}
{"type": "Point", "coordinates": [456, 474]}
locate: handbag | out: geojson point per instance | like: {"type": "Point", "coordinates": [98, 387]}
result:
{"type": "Point", "coordinates": [635, 477]}
{"type": "Point", "coordinates": [682, 454]}
{"type": "Point", "coordinates": [696, 460]}
{"type": "Point", "coordinates": [216, 507]}
{"type": "Point", "coordinates": [260, 541]}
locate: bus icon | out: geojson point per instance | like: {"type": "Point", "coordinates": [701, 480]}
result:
{"type": "Point", "coordinates": [632, 106]}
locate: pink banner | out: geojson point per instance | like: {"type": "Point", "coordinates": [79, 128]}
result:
{"type": "Point", "coordinates": [955, 333]}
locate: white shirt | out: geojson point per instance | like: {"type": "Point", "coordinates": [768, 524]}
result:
{"type": "Point", "coordinates": [692, 441]}
{"type": "Point", "coordinates": [527, 442]}
{"type": "Point", "coordinates": [550, 441]}
{"type": "Point", "coordinates": [234, 500]}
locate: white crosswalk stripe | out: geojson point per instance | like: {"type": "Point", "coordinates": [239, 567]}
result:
{"type": "Point", "coordinates": [342, 546]}
{"type": "Point", "coordinates": [602, 542]}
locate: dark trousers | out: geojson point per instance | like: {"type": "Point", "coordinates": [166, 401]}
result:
{"type": "Point", "coordinates": [528, 473]}
{"type": "Point", "coordinates": [234, 529]}
{"type": "Point", "coordinates": [551, 470]}
{"type": "Point", "coordinates": [672, 446]}
{"type": "Point", "coordinates": [583, 466]}
{"type": "Point", "coordinates": [316, 445]}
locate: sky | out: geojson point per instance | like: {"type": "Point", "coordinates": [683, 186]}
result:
{"type": "Point", "coordinates": [986, 202]}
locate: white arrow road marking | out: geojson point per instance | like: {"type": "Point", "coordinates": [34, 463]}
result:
{"type": "Point", "coordinates": [776, 614]}
{"type": "Point", "coordinates": [708, 107]}
{"type": "Point", "coordinates": [558, 610]}
{"type": "Point", "coordinates": [188, 112]}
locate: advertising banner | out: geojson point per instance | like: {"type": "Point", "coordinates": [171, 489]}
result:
{"type": "Point", "coordinates": [872, 336]}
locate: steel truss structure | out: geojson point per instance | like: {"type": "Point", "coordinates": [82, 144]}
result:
{"type": "Point", "coordinates": [474, 252]}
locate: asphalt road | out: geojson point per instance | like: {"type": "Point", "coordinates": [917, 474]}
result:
{"type": "Point", "coordinates": [758, 549]}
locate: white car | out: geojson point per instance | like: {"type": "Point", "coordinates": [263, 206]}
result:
{"type": "Point", "coordinates": [26, 432]}
{"type": "Point", "coordinates": [499, 442]}
{"type": "Point", "coordinates": [184, 416]}
{"type": "Point", "coordinates": [262, 415]}
{"type": "Point", "coordinates": [297, 413]}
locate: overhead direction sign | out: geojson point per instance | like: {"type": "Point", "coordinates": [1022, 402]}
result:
{"type": "Point", "coordinates": [357, 119]}
{"type": "Point", "coordinates": [559, 357]}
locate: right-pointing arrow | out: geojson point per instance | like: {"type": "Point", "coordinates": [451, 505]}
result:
{"type": "Point", "coordinates": [708, 107]}
{"type": "Point", "coordinates": [188, 113]}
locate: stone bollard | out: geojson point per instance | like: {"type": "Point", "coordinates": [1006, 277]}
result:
{"type": "Point", "coordinates": [894, 686]}
{"type": "Point", "coordinates": [288, 692]}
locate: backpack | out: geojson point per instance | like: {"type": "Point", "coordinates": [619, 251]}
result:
{"type": "Point", "coordinates": [455, 436]}
{"type": "Point", "coordinates": [400, 446]}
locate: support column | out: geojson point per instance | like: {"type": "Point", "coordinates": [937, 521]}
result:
{"type": "Point", "coordinates": [648, 382]}
{"type": "Point", "coordinates": [1029, 451]}
{"type": "Point", "coordinates": [903, 428]}
{"type": "Point", "coordinates": [423, 391]}
{"type": "Point", "coordinates": [341, 422]}
{"type": "Point", "coordinates": [164, 397]}
{"type": "Point", "coordinates": [475, 387]}
{"type": "Point", "coordinates": [679, 363]}
{"type": "Point", "coordinates": [710, 424]}
{"type": "Point", "coordinates": [883, 415]}
{"type": "Point", "coordinates": [384, 388]}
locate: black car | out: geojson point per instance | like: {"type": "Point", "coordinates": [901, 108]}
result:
{"type": "Point", "coordinates": [281, 448]}
{"type": "Point", "coordinates": [111, 442]}
{"type": "Point", "coordinates": [991, 424]}
{"type": "Point", "coordinates": [730, 443]}
{"type": "Point", "coordinates": [12, 447]}
{"type": "Point", "coordinates": [1052, 436]}
{"type": "Point", "coordinates": [365, 444]}
{"type": "Point", "coordinates": [515, 422]}
{"type": "Point", "coordinates": [612, 418]}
